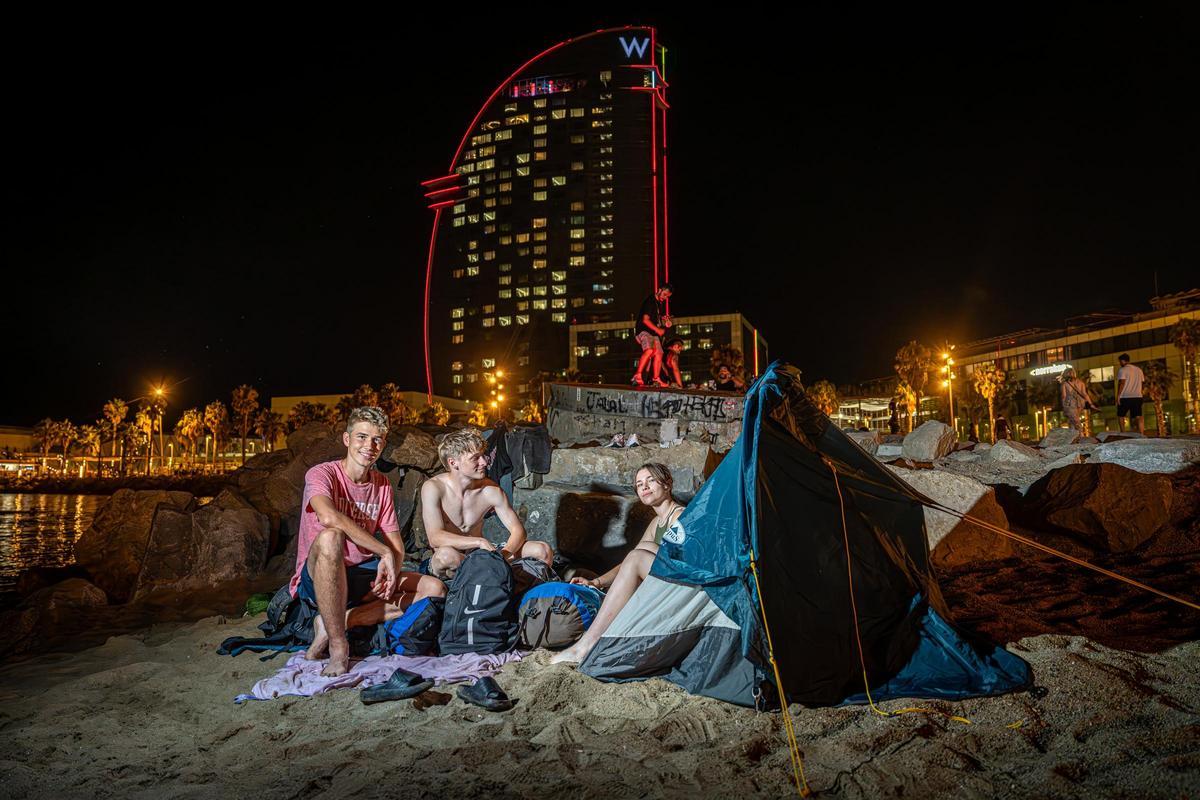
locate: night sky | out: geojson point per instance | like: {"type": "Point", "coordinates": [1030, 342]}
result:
{"type": "Point", "coordinates": [221, 210]}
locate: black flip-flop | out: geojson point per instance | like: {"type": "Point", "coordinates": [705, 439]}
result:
{"type": "Point", "coordinates": [486, 693]}
{"type": "Point", "coordinates": [401, 686]}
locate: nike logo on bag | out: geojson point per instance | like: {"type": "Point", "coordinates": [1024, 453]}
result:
{"type": "Point", "coordinates": [474, 610]}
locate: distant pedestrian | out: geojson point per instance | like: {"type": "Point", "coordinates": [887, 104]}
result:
{"type": "Point", "coordinates": [1129, 393]}
{"type": "Point", "coordinates": [651, 326]}
{"type": "Point", "coordinates": [1001, 428]}
{"type": "Point", "coordinates": [1075, 400]}
{"type": "Point", "coordinates": [894, 419]}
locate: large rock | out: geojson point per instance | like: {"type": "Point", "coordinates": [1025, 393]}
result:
{"type": "Point", "coordinates": [411, 447]}
{"type": "Point", "coordinates": [615, 467]}
{"type": "Point", "coordinates": [867, 440]}
{"type": "Point", "coordinates": [593, 528]}
{"type": "Point", "coordinates": [302, 438]}
{"type": "Point", "coordinates": [1108, 507]}
{"type": "Point", "coordinates": [929, 442]}
{"type": "Point", "coordinates": [1059, 437]}
{"type": "Point", "coordinates": [222, 541]}
{"type": "Point", "coordinates": [952, 541]}
{"type": "Point", "coordinates": [1066, 461]}
{"type": "Point", "coordinates": [1118, 436]}
{"type": "Point", "coordinates": [887, 452]}
{"type": "Point", "coordinates": [44, 611]}
{"type": "Point", "coordinates": [1007, 451]}
{"type": "Point", "coordinates": [1150, 455]}
{"type": "Point", "coordinates": [113, 548]}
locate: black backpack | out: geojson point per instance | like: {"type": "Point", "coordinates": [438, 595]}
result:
{"type": "Point", "coordinates": [530, 572]}
{"type": "Point", "coordinates": [481, 607]}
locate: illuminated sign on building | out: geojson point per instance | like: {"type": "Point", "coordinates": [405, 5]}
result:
{"type": "Point", "coordinates": [632, 45]}
{"type": "Point", "coordinates": [541, 86]}
{"type": "Point", "coordinates": [1053, 369]}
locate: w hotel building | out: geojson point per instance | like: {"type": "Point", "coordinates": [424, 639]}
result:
{"type": "Point", "coordinates": [552, 212]}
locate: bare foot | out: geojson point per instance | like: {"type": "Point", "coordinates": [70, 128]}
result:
{"type": "Point", "coordinates": [320, 642]}
{"type": "Point", "coordinates": [339, 660]}
{"type": "Point", "coordinates": [568, 656]}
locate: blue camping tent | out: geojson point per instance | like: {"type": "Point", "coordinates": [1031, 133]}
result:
{"type": "Point", "coordinates": [815, 511]}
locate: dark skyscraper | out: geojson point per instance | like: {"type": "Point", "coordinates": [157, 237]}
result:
{"type": "Point", "coordinates": [553, 212]}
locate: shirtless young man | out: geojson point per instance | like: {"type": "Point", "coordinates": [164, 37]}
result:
{"type": "Point", "coordinates": [454, 503]}
{"type": "Point", "coordinates": [346, 503]}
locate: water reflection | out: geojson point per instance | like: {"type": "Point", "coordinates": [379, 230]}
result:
{"type": "Point", "coordinates": [39, 530]}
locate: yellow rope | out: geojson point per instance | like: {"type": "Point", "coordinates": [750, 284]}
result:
{"type": "Point", "coordinates": [793, 746]}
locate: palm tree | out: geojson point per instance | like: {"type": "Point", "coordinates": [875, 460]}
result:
{"type": "Point", "coordinates": [216, 419]}
{"type": "Point", "coordinates": [530, 411]}
{"type": "Point", "coordinates": [434, 414]}
{"type": "Point", "coordinates": [244, 403]}
{"type": "Point", "coordinates": [365, 395]}
{"type": "Point", "coordinates": [905, 396]}
{"type": "Point", "coordinates": [132, 438]}
{"type": "Point", "coordinates": [67, 433]}
{"type": "Point", "coordinates": [391, 400]}
{"type": "Point", "coordinates": [1156, 386]}
{"type": "Point", "coordinates": [913, 363]}
{"type": "Point", "coordinates": [341, 412]}
{"type": "Point", "coordinates": [824, 396]}
{"type": "Point", "coordinates": [989, 381]}
{"type": "Point", "coordinates": [479, 416]}
{"type": "Point", "coordinates": [157, 406]}
{"type": "Point", "coordinates": [190, 429]}
{"type": "Point", "coordinates": [269, 425]}
{"type": "Point", "coordinates": [305, 412]}
{"type": "Point", "coordinates": [115, 411]}
{"type": "Point", "coordinates": [1185, 335]}
{"type": "Point", "coordinates": [45, 433]}
{"type": "Point", "coordinates": [89, 440]}
{"type": "Point", "coordinates": [1043, 396]}
{"type": "Point", "coordinates": [144, 420]}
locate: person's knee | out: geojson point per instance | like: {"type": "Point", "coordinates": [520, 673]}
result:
{"type": "Point", "coordinates": [330, 543]}
{"type": "Point", "coordinates": [429, 586]}
{"type": "Point", "coordinates": [539, 550]}
{"type": "Point", "coordinates": [445, 562]}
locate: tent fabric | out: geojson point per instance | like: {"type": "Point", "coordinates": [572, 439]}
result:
{"type": "Point", "coordinates": [774, 496]}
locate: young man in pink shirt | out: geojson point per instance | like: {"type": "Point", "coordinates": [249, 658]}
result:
{"type": "Point", "coordinates": [341, 562]}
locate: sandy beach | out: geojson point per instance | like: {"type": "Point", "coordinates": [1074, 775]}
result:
{"type": "Point", "coordinates": [151, 714]}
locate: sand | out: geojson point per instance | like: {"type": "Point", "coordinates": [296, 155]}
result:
{"type": "Point", "coordinates": [150, 714]}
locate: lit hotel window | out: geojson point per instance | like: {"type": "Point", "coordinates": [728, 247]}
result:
{"type": "Point", "coordinates": [600, 110]}
{"type": "Point", "coordinates": [456, 339]}
{"type": "Point", "coordinates": [460, 221]}
{"type": "Point", "coordinates": [487, 229]}
{"type": "Point", "coordinates": [541, 290]}
{"type": "Point", "coordinates": [472, 218]}
{"type": "Point", "coordinates": [506, 267]}
{"type": "Point", "coordinates": [504, 280]}
{"type": "Point", "coordinates": [578, 247]}
{"type": "Point", "coordinates": [578, 261]}
{"type": "Point", "coordinates": [489, 309]}
{"type": "Point", "coordinates": [489, 322]}
{"type": "Point", "coordinates": [559, 180]}
{"type": "Point", "coordinates": [540, 183]}
{"type": "Point", "coordinates": [505, 134]}
{"type": "Point", "coordinates": [490, 216]}
{"type": "Point", "coordinates": [540, 195]}
{"type": "Point", "coordinates": [473, 257]}
{"type": "Point", "coordinates": [506, 239]}
{"type": "Point", "coordinates": [539, 250]}
{"type": "Point", "coordinates": [602, 287]}
{"type": "Point", "coordinates": [522, 306]}
{"type": "Point", "coordinates": [522, 158]}
{"type": "Point", "coordinates": [687, 344]}
{"type": "Point", "coordinates": [460, 208]}
{"type": "Point", "coordinates": [705, 344]}
{"type": "Point", "coordinates": [506, 200]}
{"type": "Point", "coordinates": [489, 255]}
{"type": "Point", "coordinates": [457, 313]}
{"type": "Point", "coordinates": [576, 166]}
{"type": "Point", "coordinates": [601, 350]}
{"type": "Point", "coordinates": [558, 113]}
{"type": "Point", "coordinates": [472, 377]}
{"type": "Point", "coordinates": [577, 219]}
{"type": "Point", "coordinates": [622, 333]}
{"type": "Point", "coordinates": [538, 222]}
{"type": "Point", "coordinates": [539, 130]}
{"type": "Point", "coordinates": [539, 236]}
{"type": "Point", "coordinates": [578, 138]}
{"type": "Point", "coordinates": [577, 206]}
{"type": "Point", "coordinates": [505, 322]}
{"type": "Point", "coordinates": [504, 294]}
{"type": "Point", "coordinates": [582, 350]}
{"type": "Point", "coordinates": [683, 330]}
{"type": "Point", "coordinates": [539, 102]}
{"type": "Point", "coordinates": [576, 112]}
{"type": "Point", "coordinates": [578, 302]}
{"type": "Point", "coordinates": [558, 302]}
{"type": "Point", "coordinates": [600, 334]}
{"type": "Point", "coordinates": [522, 237]}
{"type": "Point", "coordinates": [558, 275]}
{"type": "Point", "coordinates": [457, 326]}
{"type": "Point", "coordinates": [540, 263]}
{"type": "Point", "coordinates": [463, 169]}
{"type": "Point", "coordinates": [604, 246]}
{"type": "Point", "coordinates": [606, 259]}
{"type": "Point", "coordinates": [539, 305]}
{"type": "Point", "coordinates": [489, 363]}
{"type": "Point", "coordinates": [602, 123]}
{"type": "Point", "coordinates": [522, 291]}
{"type": "Point", "coordinates": [540, 155]}
{"type": "Point", "coordinates": [558, 317]}
{"type": "Point", "coordinates": [482, 138]}
{"type": "Point", "coordinates": [457, 365]}
{"type": "Point", "coordinates": [516, 119]}
{"type": "Point", "coordinates": [457, 379]}
{"type": "Point", "coordinates": [706, 327]}
{"type": "Point", "coordinates": [458, 273]}
{"type": "Point", "coordinates": [577, 233]}
{"type": "Point", "coordinates": [506, 186]}
{"type": "Point", "coordinates": [603, 137]}
{"type": "Point", "coordinates": [472, 271]}
{"type": "Point", "coordinates": [603, 301]}
{"type": "Point", "coordinates": [487, 163]}
{"type": "Point", "coordinates": [539, 144]}
{"type": "Point", "coordinates": [522, 319]}
{"type": "Point", "coordinates": [558, 288]}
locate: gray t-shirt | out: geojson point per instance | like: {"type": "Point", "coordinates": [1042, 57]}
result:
{"type": "Point", "coordinates": [1133, 380]}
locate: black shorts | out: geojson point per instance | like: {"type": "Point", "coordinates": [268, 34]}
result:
{"type": "Point", "coordinates": [359, 579]}
{"type": "Point", "coordinates": [1129, 405]}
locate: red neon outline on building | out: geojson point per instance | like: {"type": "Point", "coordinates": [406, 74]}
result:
{"type": "Point", "coordinates": [444, 203]}
{"type": "Point", "coordinates": [443, 191]}
{"type": "Point", "coordinates": [437, 215]}
{"type": "Point", "coordinates": [475, 121]}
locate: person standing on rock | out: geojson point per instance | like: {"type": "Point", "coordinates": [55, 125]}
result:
{"type": "Point", "coordinates": [343, 568]}
{"type": "Point", "coordinates": [1075, 399]}
{"type": "Point", "coordinates": [652, 324]}
{"type": "Point", "coordinates": [454, 504]}
{"type": "Point", "coordinates": [1129, 394]}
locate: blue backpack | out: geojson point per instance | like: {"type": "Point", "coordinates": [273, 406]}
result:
{"type": "Point", "coordinates": [555, 614]}
{"type": "Point", "coordinates": [415, 633]}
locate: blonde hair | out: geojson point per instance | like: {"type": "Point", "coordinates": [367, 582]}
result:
{"type": "Point", "coordinates": [457, 443]}
{"type": "Point", "coordinates": [369, 414]}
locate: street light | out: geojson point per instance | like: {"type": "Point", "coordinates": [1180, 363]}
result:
{"type": "Point", "coordinates": [161, 404]}
{"type": "Point", "coordinates": [948, 371]}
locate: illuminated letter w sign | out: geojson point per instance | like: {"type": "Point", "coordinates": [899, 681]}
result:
{"type": "Point", "coordinates": [635, 44]}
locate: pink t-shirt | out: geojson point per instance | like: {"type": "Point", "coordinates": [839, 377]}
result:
{"type": "Point", "coordinates": [369, 504]}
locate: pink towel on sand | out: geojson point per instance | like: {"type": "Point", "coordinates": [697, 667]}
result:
{"type": "Point", "coordinates": [303, 678]}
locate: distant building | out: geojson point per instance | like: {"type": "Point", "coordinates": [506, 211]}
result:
{"type": "Point", "coordinates": [551, 212]}
{"type": "Point", "coordinates": [607, 352]}
{"type": "Point", "coordinates": [1090, 344]}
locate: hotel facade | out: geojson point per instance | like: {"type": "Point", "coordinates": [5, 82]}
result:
{"type": "Point", "coordinates": [552, 212]}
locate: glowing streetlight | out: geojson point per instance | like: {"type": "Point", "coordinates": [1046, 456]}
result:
{"type": "Point", "coordinates": [500, 397]}
{"type": "Point", "coordinates": [160, 394]}
{"type": "Point", "coordinates": [948, 382]}
{"type": "Point", "coordinates": [499, 373]}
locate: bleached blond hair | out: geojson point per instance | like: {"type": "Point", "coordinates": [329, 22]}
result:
{"type": "Point", "coordinates": [458, 443]}
{"type": "Point", "coordinates": [372, 414]}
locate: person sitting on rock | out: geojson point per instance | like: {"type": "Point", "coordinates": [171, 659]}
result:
{"type": "Point", "coordinates": [341, 563]}
{"type": "Point", "coordinates": [670, 367]}
{"type": "Point", "coordinates": [454, 504]}
{"type": "Point", "coordinates": [653, 484]}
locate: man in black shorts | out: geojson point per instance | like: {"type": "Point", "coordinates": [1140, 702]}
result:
{"type": "Point", "coordinates": [652, 324]}
{"type": "Point", "coordinates": [1129, 394]}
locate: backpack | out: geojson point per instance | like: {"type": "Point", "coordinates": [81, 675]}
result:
{"type": "Point", "coordinates": [415, 633]}
{"type": "Point", "coordinates": [556, 614]}
{"type": "Point", "coordinates": [289, 627]}
{"type": "Point", "coordinates": [481, 607]}
{"type": "Point", "coordinates": [530, 572]}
